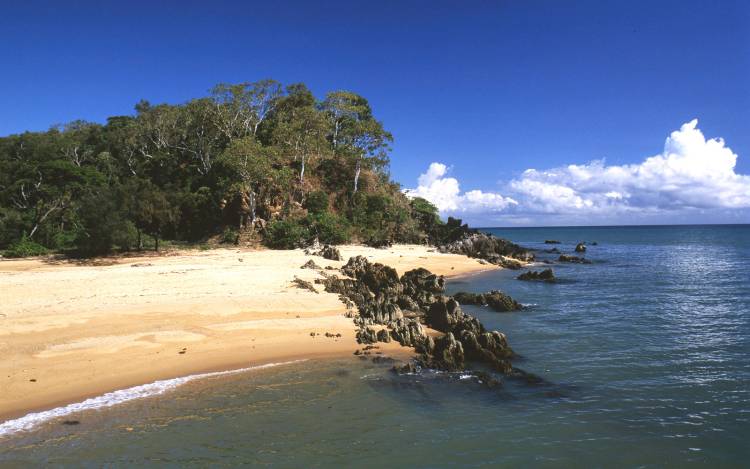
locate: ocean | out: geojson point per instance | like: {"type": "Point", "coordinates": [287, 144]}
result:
{"type": "Point", "coordinates": [644, 357]}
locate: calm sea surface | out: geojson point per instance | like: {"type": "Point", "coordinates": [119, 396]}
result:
{"type": "Point", "coordinates": [644, 353]}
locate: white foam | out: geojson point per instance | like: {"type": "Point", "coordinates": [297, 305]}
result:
{"type": "Point", "coordinates": [29, 421]}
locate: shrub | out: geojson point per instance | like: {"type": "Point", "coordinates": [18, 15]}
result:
{"type": "Point", "coordinates": [330, 228]}
{"type": "Point", "coordinates": [25, 247]}
{"type": "Point", "coordinates": [230, 236]}
{"type": "Point", "coordinates": [317, 202]}
{"type": "Point", "coordinates": [286, 234]}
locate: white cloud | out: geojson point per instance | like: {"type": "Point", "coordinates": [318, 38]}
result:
{"type": "Point", "coordinates": [445, 193]}
{"type": "Point", "coordinates": [691, 174]}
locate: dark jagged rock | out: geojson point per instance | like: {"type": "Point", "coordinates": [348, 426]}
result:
{"type": "Point", "coordinates": [488, 347]}
{"type": "Point", "coordinates": [495, 299]}
{"type": "Point", "coordinates": [446, 354]}
{"type": "Point", "coordinates": [383, 335]}
{"type": "Point", "coordinates": [330, 252]}
{"type": "Point", "coordinates": [573, 259]}
{"type": "Point", "coordinates": [421, 288]}
{"type": "Point", "coordinates": [367, 335]}
{"type": "Point", "coordinates": [551, 241]}
{"type": "Point", "coordinates": [580, 247]}
{"type": "Point", "coordinates": [487, 247]}
{"type": "Point", "coordinates": [380, 295]}
{"type": "Point", "coordinates": [304, 284]}
{"type": "Point", "coordinates": [310, 265]}
{"type": "Point", "coordinates": [407, 332]}
{"type": "Point", "coordinates": [545, 275]}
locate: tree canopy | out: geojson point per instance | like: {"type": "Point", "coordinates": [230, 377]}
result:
{"type": "Point", "coordinates": [249, 157]}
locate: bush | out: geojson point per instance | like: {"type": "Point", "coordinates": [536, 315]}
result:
{"type": "Point", "coordinates": [317, 202]}
{"type": "Point", "coordinates": [25, 247]}
{"type": "Point", "coordinates": [287, 234]}
{"type": "Point", "coordinates": [330, 228]}
{"type": "Point", "coordinates": [230, 236]}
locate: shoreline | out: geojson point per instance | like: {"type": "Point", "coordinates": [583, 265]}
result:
{"type": "Point", "coordinates": [74, 332]}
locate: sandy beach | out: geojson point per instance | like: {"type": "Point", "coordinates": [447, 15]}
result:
{"type": "Point", "coordinates": [72, 330]}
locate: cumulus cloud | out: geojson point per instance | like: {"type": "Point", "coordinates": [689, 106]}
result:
{"type": "Point", "coordinates": [445, 193]}
{"type": "Point", "coordinates": [692, 173]}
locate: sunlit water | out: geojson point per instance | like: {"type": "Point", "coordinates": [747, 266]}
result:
{"type": "Point", "coordinates": [644, 353]}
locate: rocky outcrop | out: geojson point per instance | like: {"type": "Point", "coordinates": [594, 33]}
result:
{"type": "Point", "coordinates": [478, 344]}
{"type": "Point", "coordinates": [546, 275]}
{"type": "Point", "coordinates": [310, 265]}
{"type": "Point", "coordinates": [580, 247]}
{"type": "Point", "coordinates": [495, 299]}
{"type": "Point", "coordinates": [304, 284]}
{"type": "Point", "coordinates": [573, 259]}
{"type": "Point", "coordinates": [379, 295]}
{"type": "Point", "coordinates": [421, 288]}
{"type": "Point", "coordinates": [488, 247]}
{"type": "Point", "coordinates": [330, 252]}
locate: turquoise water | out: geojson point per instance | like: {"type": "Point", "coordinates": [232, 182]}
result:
{"type": "Point", "coordinates": [644, 353]}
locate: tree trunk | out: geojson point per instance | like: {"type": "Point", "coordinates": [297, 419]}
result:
{"type": "Point", "coordinates": [356, 175]}
{"type": "Point", "coordinates": [140, 240]}
{"type": "Point", "coordinates": [156, 243]}
{"type": "Point", "coordinates": [302, 170]}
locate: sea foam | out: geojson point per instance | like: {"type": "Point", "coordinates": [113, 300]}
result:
{"type": "Point", "coordinates": [32, 420]}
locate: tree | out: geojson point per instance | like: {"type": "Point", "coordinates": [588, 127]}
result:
{"type": "Point", "coordinates": [355, 133]}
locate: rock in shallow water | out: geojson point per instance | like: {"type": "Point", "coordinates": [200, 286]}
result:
{"type": "Point", "coordinates": [545, 275]}
{"type": "Point", "coordinates": [495, 299]}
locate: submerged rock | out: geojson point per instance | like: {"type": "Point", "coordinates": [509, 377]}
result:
{"type": "Point", "coordinates": [551, 241]}
{"type": "Point", "coordinates": [573, 259]}
{"type": "Point", "coordinates": [545, 275]}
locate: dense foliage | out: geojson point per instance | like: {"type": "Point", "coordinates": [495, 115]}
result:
{"type": "Point", "coordinates": [251, 159]}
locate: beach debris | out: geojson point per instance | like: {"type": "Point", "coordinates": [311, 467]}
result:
{"type": "Point", "coordinates": [310, 265]}
{"type": "Point", "coordinates": [580, 247]}
{"type": "Point", "coordinates": [573, 259]}
{"type": "Point", "coordinates": [495, 299]}
{"type": "Point", "coordinates": [546, 275]}
{"type": "Point", "coordinates": [304, 284]}
{"type": "Point", "coordinates": [32, 380]}
{"type": "Point", "coordinates": [141, 264]}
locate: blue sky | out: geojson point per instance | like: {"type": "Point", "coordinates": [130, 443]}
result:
{"type": "Point", "coordinates": [487, 89]}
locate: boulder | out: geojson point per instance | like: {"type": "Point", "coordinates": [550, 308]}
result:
{"type": "Point", "coordinates": [367, 335]}
{"type": "Point", "coordinates": [408, 333]}
{"type": "Point", "coordinates": [545, 275]}
{"type": "Point", "coordinates": [330, 252]}
{"type": "Point", "coordinates": [422, 287]}
{"type": "Point", "coordinates": [383, 335]}
{"type": "Point", "coordinates": [580, 247]}
{"type": "Point", "coordinates": [447, 354]}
